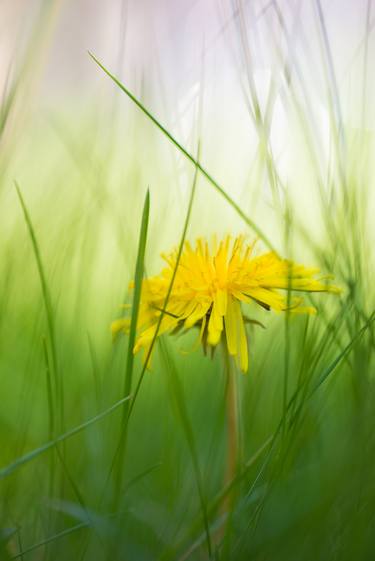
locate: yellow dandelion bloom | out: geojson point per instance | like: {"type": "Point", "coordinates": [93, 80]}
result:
{"type": "Point", "coordinates": [210, 288]}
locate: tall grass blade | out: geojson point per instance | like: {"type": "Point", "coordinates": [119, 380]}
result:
{"type": "Point", "coordinates": [8, 470]}
{"type": "Point", "coordinates": [163, 311]}
{"type": "Point", "coordinates": [189, 156]}
{"type": "Point", "coordinates": [138, 280]}
{"type": "Point", "coordinates": [47, 301]}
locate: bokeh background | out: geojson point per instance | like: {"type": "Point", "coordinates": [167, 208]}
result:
{"type": "Point", "coordinates": [276, 97]}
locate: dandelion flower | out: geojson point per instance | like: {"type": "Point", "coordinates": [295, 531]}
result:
{"type": "Point", "coordinates": [210, 289]}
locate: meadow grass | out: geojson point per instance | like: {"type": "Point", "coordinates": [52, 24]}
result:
{"type": "Point", "coordinates": [103, 459]}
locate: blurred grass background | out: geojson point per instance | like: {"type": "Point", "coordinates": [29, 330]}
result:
{"type": "Point", "coordinates": [278, 94]}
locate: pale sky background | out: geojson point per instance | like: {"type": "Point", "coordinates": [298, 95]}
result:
{"type": "Point", "coordinates": [146, 39]}
{"type": "Point", "coordinates": [170, 51]}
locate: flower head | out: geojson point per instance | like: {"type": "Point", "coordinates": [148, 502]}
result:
{"type": "Point", "coordinates": [210, 289]}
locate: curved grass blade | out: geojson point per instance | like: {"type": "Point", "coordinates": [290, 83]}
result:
{"type": "Point", "coordinates": [43, 281]}
{"type": "Point", "coordinates": [8, 470]}
{"type": "Point", "coordinates": [47, 306]}
{"type": "Point", "coordinates": [269, 443]}
{"type": "Point", "coordinates": [53, 538]}
{"type": "Point", "coordinates": [189, 156]}
{"type": "Point", "coordinates": [325, 375]}
{"type": "Point", "coordinates": [86, 523]}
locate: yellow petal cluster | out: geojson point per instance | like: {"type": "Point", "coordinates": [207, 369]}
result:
{"type": "Point", "coordinates": [209, 290]}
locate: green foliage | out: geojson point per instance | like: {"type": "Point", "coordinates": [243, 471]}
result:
{"type": "Point", "coordinates": [101, 458]}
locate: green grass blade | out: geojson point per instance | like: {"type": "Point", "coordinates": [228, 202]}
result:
{"type": "Point", "coordinates": [270, 442]}
{"type": "Point", "coordinates": [213, 505]}
{"type": "Point", "coordinates": [188, 155]}
{"type": "Point", "coordinates": [42, 276]}
{"type": "Point", "coordinates": [119, 449]}
{"type": "Point", "coordinates": [47, 306]}
{"type": "Point", "coordinates": [51, 419]}
{"type": "Point", "coordinates": [324, 376]}
{"type": "Point", "coordinates": [51, 539]}
{"type": "Point", "coordinates": [147, 358]}
{"type": "Point", "coordinates": [328, 371]}
{"type": "Point", "coordinates": [88, 522]}
{"type": "Point", "coordinates": [138, 279]}
{"type": "Point", "coordinates": [170, 287]}
{"type": "Point", "coordinates": [8, 470]}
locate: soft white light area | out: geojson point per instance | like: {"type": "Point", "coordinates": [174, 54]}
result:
{"type": "Point", "coordinates": [201, 67]}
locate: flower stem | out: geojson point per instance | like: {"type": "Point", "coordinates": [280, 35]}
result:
{"type": "Point", "coordinates": [233, 437]}
{"type": "Point", "coordinates": [231, 419]}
